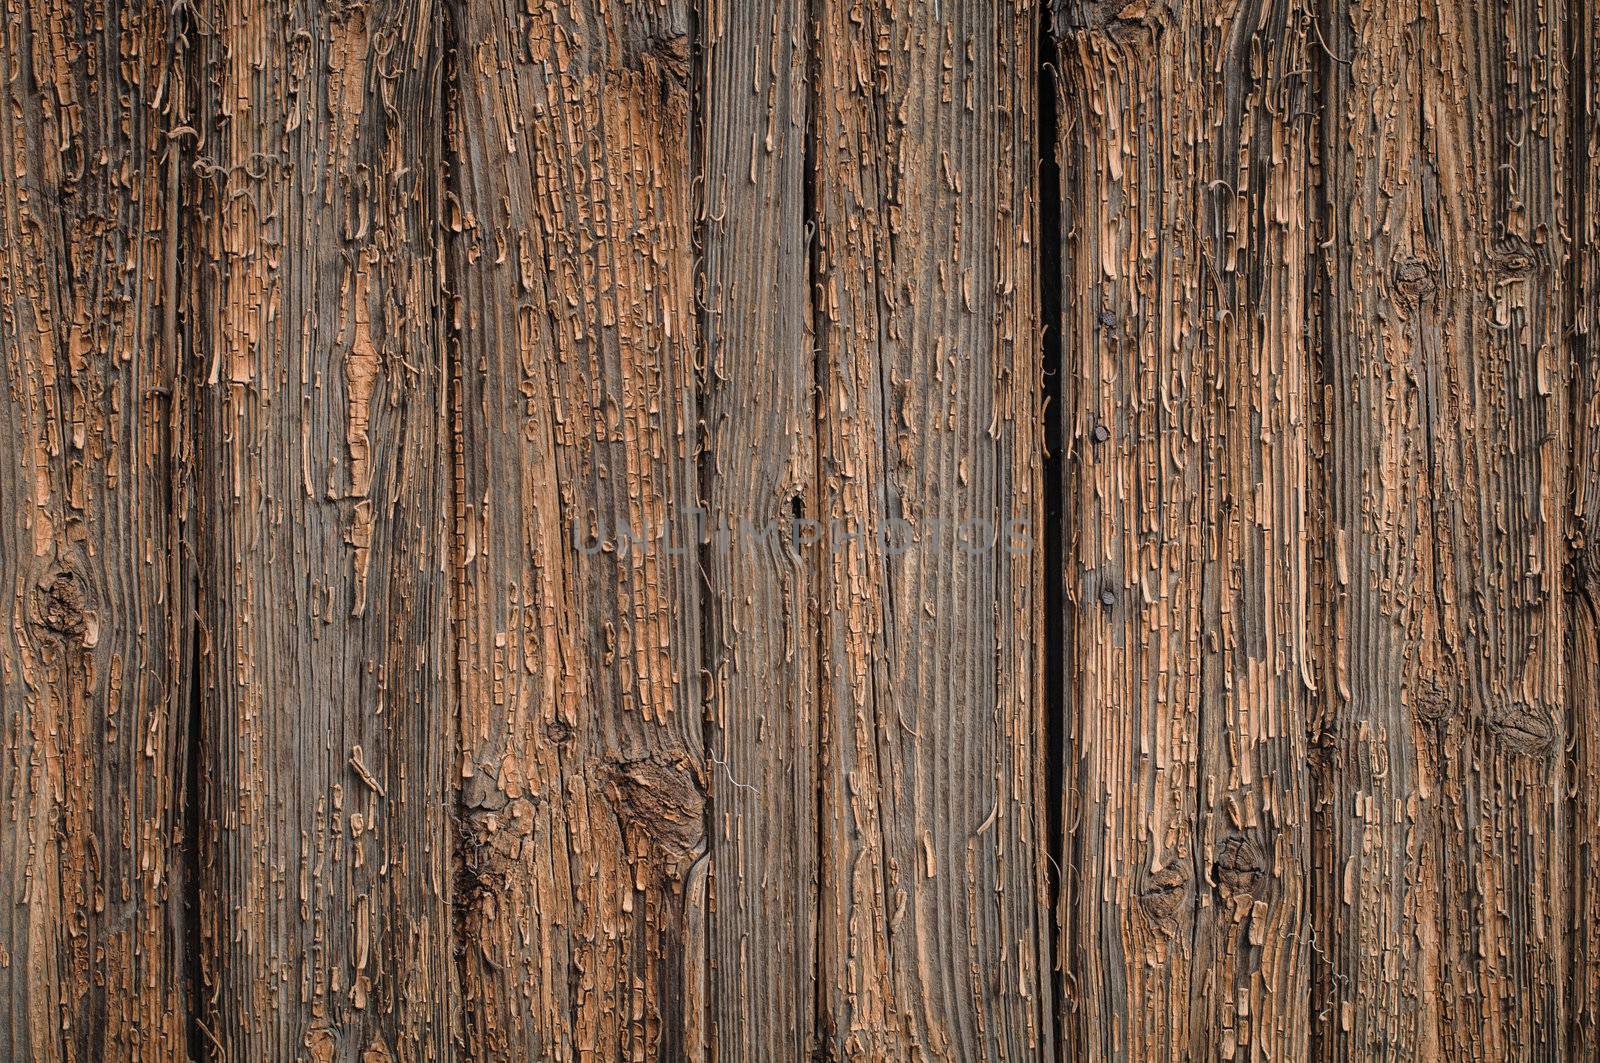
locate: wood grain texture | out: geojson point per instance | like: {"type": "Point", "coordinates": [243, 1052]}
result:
{"type": "Point", "coordinates": [1184, 154]}
{"type": "Point", "coordinates": [529, 531]}
{"type": "Point", "coordinates": [1134, 484]}
{"type": "Point", "coordinates": [1253, 917]}
{"type": "Point", "coordinates": [583, 773]}
{"type": "Point", "coordinates": [1439, 911]}
{"type": "Point", "coordinates": [758, 478]}
{"type": "Point", "coordinates": [94, 653]}
{"type": "Point", "coordinates": [325, 530]}
{"type": "Point", "coordinates": [933, 930]}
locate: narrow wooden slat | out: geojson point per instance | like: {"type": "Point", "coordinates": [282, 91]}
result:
{"type": "Point", "coordinates": [759, 481]}
{"type": "Point", "coordinates": [932, 927]}
{"type": "Point", "coordinates": [1439, 915]}
{"type": "Point", "coordinates": [94, 651]}
{"type": "Point", "coordinates": [324, 532]}
{"type": "Point", "coordinates": [1495, 101]}
{"type": "Point", "coordinates": [1184, 155]}
{"type": "Point", "coordinates": [584, 886]}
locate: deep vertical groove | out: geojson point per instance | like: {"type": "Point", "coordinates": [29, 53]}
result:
{"type": "Point", "coordinates": [1583, 559]}
{"type": "Point", "coordinates": [1055, 443]}
{"type": "Point", "coordinates": [189, 858]}
{"type": "Point", "coordinates": [182, 446]}
{"type": "Point", "coordinates": [1323, 882]}
{"type": "Point", "coordinates": [462, 879]}
{"type": "Point", "coordinates": [817, 313]}
{"type": "Point", "coordinates": [704, 469]}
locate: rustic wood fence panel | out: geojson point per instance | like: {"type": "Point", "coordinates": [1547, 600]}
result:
{"type": "Point", "coordinates": [696, 529]}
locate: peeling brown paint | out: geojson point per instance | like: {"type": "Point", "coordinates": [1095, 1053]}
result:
{"type": "Point", "coordinates": [486, 499]}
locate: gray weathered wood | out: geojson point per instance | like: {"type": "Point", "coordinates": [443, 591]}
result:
{"type": "Point", "coordinates": [933, 934]}
{"type": "Point", "coordinates": [758, 462]}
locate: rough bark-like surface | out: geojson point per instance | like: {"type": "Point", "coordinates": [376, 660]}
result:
{"type": "Point", "coordinates": [1184, 155]}
{"type": "Point", "coordinates": [1440, 921]}
{"type": "Point", "coordinates": [758, 480]}
{"type": "Point", "coordinates": [933, 925]}
{"type": "Point", "coordinates": [323, 505]}
{"type": "Point", "coordinates": [582, 906]}
{"type": "Point", "coordinates": [93, 655]}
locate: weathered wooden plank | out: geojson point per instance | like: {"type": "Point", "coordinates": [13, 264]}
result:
{"type": "Point", "coordinates": [1439, 914]}
{"type": "Point", "coordinates": [1184, 157]}
{"type": "Point", "coordinates": [759, 480]}
{"type": "Point", "coordinates": [94, 653]}
{"type": "Point", "coordinates": [325, 532]}
{"type": "Point", "coordinates": [933, 933]}
{"type": "Point", "coordinates": [582, 914]}
{"type": "Point", "coordinates": [1133, 394]}
{"type": "Point", "coordinates": [1253, 922]}
{"type": "Point", "coordinates": [1583, 590]}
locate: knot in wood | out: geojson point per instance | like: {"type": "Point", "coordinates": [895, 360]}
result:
{"type": "Point", "coordinates": [1164, 894]}
{"type": "Point", "coordinates": [1240, 866]}
{"type": "Point", "coordinates": [61, 605]}
{"type": "Point", "coordinates": [1435, 698]}
{"type": "Point", "coordinates": [1415, 278]}
{"type": "Point", "coordinates": [1078, 16]}
{"type": "Point", "coordinates": [342, 11]}
{"type": "Point", "coordinates": [1514, 257]}
{"type": "Point", "coordinates": [1322, 751]}
{"type": "Point", "coordinates": [1524, 728]}
{"type": "Point", "coordinates": [662, 802]}
{"type": "Point", "coordinates": [666, 59]}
